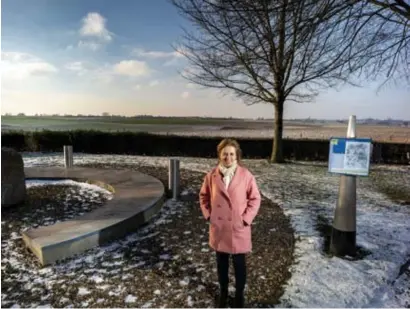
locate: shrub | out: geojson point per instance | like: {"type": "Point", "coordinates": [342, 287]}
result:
{"type": "Point", "coordinates": [142, 143]}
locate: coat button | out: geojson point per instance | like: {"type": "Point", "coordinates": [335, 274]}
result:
{"type": "Point", "coordinates": [230, 219]}
{"type": "Point", "coordinates": [219, 218]}
{"type": "Point", "coordinates": [219, 206]}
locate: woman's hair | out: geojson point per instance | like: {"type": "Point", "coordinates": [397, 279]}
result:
{"type": "Point", "coordinates": [229, 142]}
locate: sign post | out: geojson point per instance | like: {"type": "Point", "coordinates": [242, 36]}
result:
{"type": "Point", "coordinates": [349, 157]}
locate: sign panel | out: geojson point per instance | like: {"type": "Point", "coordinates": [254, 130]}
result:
{"type": "Point", "coordinates": [350, 156]}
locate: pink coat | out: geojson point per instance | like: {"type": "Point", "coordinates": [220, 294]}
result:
{"type": "Point", "coordinates": [229, 209]}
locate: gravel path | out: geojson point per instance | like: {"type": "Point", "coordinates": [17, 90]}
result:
{"type": "Point", "coordinates": [166, 263]}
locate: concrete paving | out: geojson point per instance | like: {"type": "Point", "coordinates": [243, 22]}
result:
{"type": "Point", "coordinates": [137, 198]}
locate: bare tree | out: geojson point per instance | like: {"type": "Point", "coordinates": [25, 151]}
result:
{"type": "Point", "coordinates": [269, 51]}
{"type": "Point", "coordinates": [400, 8]}
{"type": "Point", "coordinates": [387, 23]}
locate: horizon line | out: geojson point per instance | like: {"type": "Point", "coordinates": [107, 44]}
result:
{"type": "Point", "coordinates": [191, 116]}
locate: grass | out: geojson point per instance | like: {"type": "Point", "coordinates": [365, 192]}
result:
{"type": "Point", "coordinates": [397, 194]}
{"type": "Point", "coordinates": [395, 189]}
{"type": "Point", "coordinates": [134, 124]}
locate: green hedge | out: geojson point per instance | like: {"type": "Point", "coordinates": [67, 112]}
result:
{"type": "Point", "coordinates": [99, 142]}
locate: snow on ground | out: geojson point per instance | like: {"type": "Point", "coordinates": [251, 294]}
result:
{"type": "Point", "coordinates": [305, 192]}
{"type": "Point", "coordinates": [105, 269]}
{"type": "Point", "coordinates": [382, 228]}
{"type": "Point", "coordinates": [63, 200]}
{"type": "Point", "coordinates": [82, 186]}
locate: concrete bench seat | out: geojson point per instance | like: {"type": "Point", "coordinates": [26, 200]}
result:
{"type": "Point", "coordinates": [137, 197]}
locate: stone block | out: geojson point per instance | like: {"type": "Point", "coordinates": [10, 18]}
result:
{"type": "Point", "coordinates": [13, 184]}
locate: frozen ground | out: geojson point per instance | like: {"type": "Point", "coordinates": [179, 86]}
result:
{"type": "Point", "coordinates": [165, 263]}
{"type": "Point", "coordinates": [307, 194]}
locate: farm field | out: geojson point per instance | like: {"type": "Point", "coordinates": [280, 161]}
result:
{"type": "Point", "coordinates": [205, 127]}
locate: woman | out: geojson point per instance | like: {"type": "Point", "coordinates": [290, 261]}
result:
{"type": "Point", "coordinates": [230, 200]}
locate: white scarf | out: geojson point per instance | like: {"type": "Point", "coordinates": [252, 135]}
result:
{"type": "Point", "coordinates": [228, 172]}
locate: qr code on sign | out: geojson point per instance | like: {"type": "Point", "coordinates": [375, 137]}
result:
{"type": "Point", "coordinates": [356, 156]}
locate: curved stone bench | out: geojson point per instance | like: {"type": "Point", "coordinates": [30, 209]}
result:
{"type": "Point", "coordinates": [137, 198]}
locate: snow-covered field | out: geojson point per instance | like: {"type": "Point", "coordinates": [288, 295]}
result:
{"type": "Point", "coordinates": [306, 191]}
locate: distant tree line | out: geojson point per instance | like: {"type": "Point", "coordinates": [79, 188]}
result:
{"type": "Point", "coordinates": [105, 115]}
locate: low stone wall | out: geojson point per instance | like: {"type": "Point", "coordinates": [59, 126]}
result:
{"type": "Point", "coordinates": [137, 198]}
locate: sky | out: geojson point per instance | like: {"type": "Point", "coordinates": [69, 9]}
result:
{"type": "Point", "coordinates": [95, 56]}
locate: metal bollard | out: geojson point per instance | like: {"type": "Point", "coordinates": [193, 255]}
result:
{"type": "Point", "coordinates": [343, 239]}
{"type": "Point", "coordinates": [68, 156]}
{"type": "Point", "coordinates": [173, 178]}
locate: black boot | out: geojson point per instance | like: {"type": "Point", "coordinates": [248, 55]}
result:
{"type": "Point", "coordinates": [223, 298]}
{"type": "Point", "coordinates": [239, 300]}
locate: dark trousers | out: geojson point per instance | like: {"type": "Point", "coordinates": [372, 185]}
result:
{"type": "Point", "coordinates": [239, 264]}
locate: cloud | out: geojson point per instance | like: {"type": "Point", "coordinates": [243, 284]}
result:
{"type": "Point", "coordinates": [16, 56]}
{"type": "Point", "coordinates": [154, 54]}
{"type": "Point", "coordinates": [185, 95]}
{"type": "Point", "coordinates": [137, 87]}
{"type": "Point", "coordinates": [94, 32]}
{"type": "Point", "coordinates": [103, 73]}
{"type": "Point", "coordinates": [18, 66]}
{"type": "Point", "coordinates": [108, 72]}
{"type": "Point", "coordinates": [90, 45]}
{"type": "Point", "coordinates": [89, 72]}
{"type": "Point", "coordinates": [133, 68]}
{"type": "Point", "coordinates": [180, 55]}
{"type": "Point", "coordinates": [154, 83]}
{"type": "Point", "coordinates": [173, 58]}
{"type": "Point", "coordinates": [173, 61]}
{"type": "Point", "coordinates": [77, 67]}
{"type": "Point", "coordinates": [94, 26]}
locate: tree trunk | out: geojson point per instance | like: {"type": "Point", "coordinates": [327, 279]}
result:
{"type": "Point", "coordinates": [277, 150]}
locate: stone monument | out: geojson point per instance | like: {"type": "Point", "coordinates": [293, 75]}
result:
{"type": "Point", "coordinates": [13, 185]}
